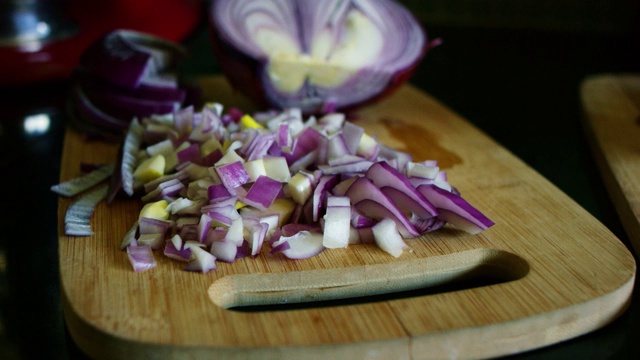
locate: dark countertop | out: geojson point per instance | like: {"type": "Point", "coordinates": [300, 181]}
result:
{"type": "Point", "coordinates": [519, 86]}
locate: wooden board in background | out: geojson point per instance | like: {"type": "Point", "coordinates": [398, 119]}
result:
{"type": "Point", "coordinates": [562, 272]}
{"type": "Point", "coordinates": [611, 106]}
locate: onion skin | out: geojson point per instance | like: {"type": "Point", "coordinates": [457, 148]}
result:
{"type": "Point", "coordinates": [246, 66]}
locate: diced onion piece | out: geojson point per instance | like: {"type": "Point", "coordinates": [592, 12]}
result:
{"type": "Point", "coordinates": [233, 174]}
{"type": "Point", "coordinates": [235, 234]}
{"type": "Point", "coordinates": [325, 183]}
{"type": "Point", "coordinates": [422, 170]}
{"type": "Point", "coordinates": [388, 238]}
{"type": "Point", "coordinates": [456, 210]}
{"type": "Point", "coordinates": [276, 167]}
{"type": "Point", "coordinates": [154, 241]}
{"type": "Point", "coordinates": [255, 169]}
{"type": "Point", "coordinates": [368, 147]}
{"type": "Point", "coordinates": [300, 187]}
{"type": "Point", "coordinates": [337, 222]}
{"type": "Point", "coordinates": [203, 261]}
{"type": "Point", "coordinates": [224, 251]}
{"type": "Point", "coordinates": [175, 250]}
{"type": "Point", "coordinates": [141, 257]}
{"type": "Point", "coordinates": [302, 245]}
{"type": "Point", "coordinates": [406, 196]}
{"type": "Point", "coordinates": [371, 201]}
{"type": "Point", "coordinates": [155, 210]}
{"type": "Point", "coordinates": [255, 234]}
{"type": "Point", "coordinates": [129, 237]}
{"type": "Point", "coordinates": [263, 192]}
{"type": "Point", "coordinates": [231, 156]}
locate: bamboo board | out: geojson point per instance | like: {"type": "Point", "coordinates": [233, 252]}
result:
{"type": "Point", "coordinates": [611, 106]}
{"type": "Point", "coordinates": [561, 273]}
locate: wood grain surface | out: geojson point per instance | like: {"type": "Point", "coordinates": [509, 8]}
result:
{"type": "Point", "coordinates": [560, 273]}
{"type": "Point", "coordinates": [611, 104]}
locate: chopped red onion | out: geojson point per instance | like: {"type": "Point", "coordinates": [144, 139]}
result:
{"type": "Point", "coordinates": [141, 257]}
{"type": "Point", "coordinates": [388, 238]}
{"type": "Point", "coordinates": [301, 245]}
{"type": "Point", "coordinates": [456, 210]}
{"type": "Point", "coordinates": [337, 222]}
{"type": "Point", "coordinates": [395, 185]}
{"type": "Point", "coordinates": [224, 251]}
{"type": "Point", "coordinates": [263, 192]}
{"type": "Point", "coordinates": [232, 175]}
{"type": "Point", "coordinates": [202, 260]}
{"type": "Point", "coordinates": [177, 252]}
{"type": "Point", "coordinates": [372, 202]}
{"type": "Point", "coordinates": [325, 193]}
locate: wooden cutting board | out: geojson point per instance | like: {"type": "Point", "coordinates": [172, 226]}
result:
{"type": "Point", "coordinates": [611, 106]}
{"type": "Point", "coordinates": [556, 271]}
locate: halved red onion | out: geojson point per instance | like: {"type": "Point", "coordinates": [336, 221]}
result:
{"type": "Point", "coordinates": [319, 56]}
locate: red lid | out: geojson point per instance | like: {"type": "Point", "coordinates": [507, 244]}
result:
{"type": "Point", "coordinates": [32, 62]}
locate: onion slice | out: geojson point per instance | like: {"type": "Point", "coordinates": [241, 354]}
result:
{"type": "Point", "coordinates": [77, 219]}
{"type": "Point", "coordinates": [126, 74]}
{"type": "Point", "coordinates": [141, 257]}
{"type": "Point", "coordinates": [77, 185]}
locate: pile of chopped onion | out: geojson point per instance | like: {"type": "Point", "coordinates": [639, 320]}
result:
{"type": "Point", "coordinates": [218, 186]}
{"type": "Point", "coordinates": [126, 74]}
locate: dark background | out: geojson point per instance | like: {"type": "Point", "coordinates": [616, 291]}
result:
{"type": "Point", "coordinates": [511, 67]}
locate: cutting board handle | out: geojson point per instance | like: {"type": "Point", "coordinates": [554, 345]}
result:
{"type": "Point", "coordinates": [253, 289]}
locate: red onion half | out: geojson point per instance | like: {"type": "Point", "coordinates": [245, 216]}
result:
{"type": "Point", "coordinates": [318, 56]}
